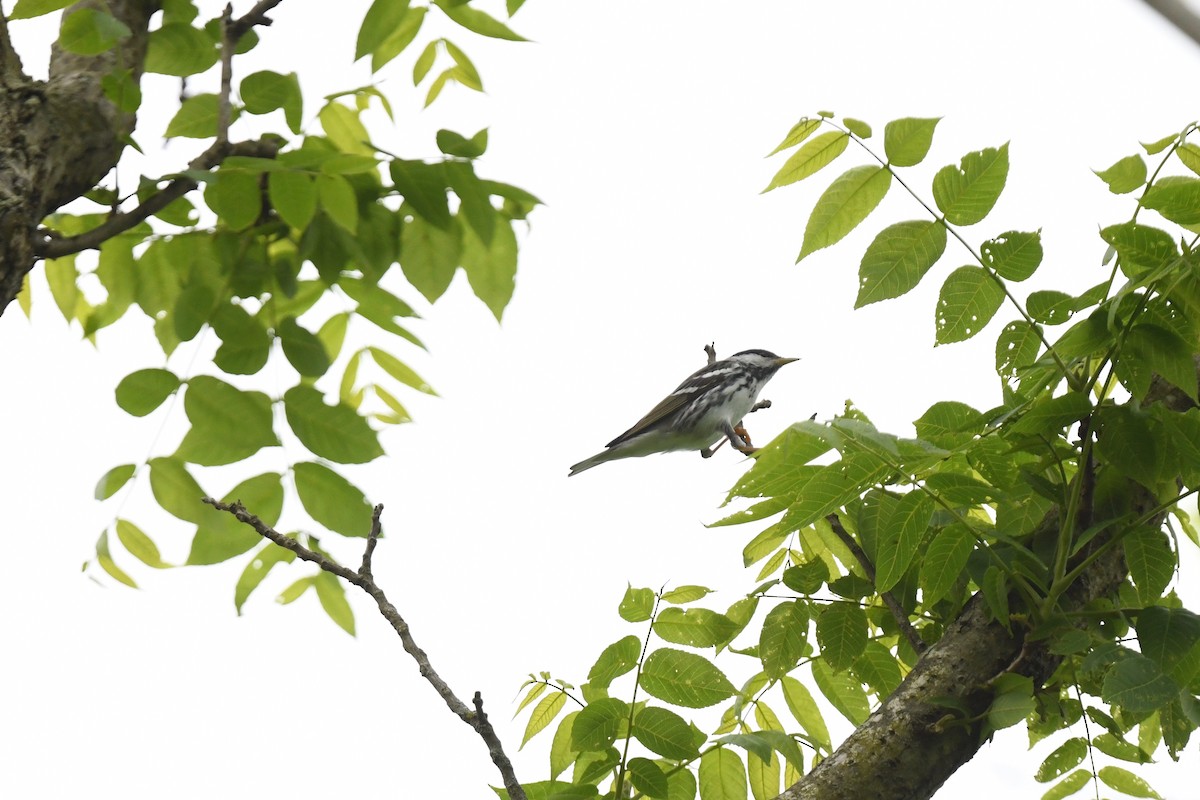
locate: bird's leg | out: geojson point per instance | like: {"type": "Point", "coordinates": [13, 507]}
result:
{"type": "Point", "coordinates": [739, 440]}
{"type": "Point", "coordinates": [760, 404]}
{"type": "Point", "coordinates": [708, 451]}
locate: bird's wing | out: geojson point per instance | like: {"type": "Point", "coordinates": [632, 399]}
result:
{"type": "Point", "coordinates": [696, 384]}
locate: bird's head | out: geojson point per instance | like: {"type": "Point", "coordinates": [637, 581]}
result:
{"type": "Point", "coordinates": [761, 359]}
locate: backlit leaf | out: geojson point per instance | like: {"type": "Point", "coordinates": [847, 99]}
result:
{"type": "Point", "coordinates": [906, 141]}
{"type": "Point", "coordinates": [142, 391]}
{"type": "Point", "coordinates": [333, 432]}
{"type": "Point", "coordinates": [684, 679]}
{"type": "Point", "coordinates": [332, 500]}
{"type": "Point", "coordinates": [847, 202]}
{"type": "Point", "coordinates": [809, 159]}
{"type": "Point", "coordinates": [897, 259]}
{"type": "Point", "coordinates": [968, 300]}
{"type": "Point", "coordinates": [967, 193]}
{"type": "Point", "coordinates": [228, 424]}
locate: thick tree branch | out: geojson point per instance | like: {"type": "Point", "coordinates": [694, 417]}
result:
{"type": "Point", "coordinates": [1178, 14]}
{"type": "Point", "coordinates": [363, 579]}
{"type": "Point", "coordinates": [898, 612]}
{"type": "Point", "coordinates": [50, 246]}
{"type": "Point", "coordinates": [11, 71]}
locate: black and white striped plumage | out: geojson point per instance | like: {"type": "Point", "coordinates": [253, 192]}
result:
{"type": "Point", "coordinates": [704, 409]}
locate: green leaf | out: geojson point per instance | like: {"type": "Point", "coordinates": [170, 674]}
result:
{"type": "Point", "coordinates": [90, 32]}
{"type": "Point", "coordinates": [1069, 785]}
{"type": "Point", "coordinates": [1128, 442]}
{"type": "Point", "coordinates": [176, 490]}
{"type": "Point", "coordinates": [196, 118]}
{"type": "Point", "coordinates": [220, 536]}
{"type": "Point", "coordinates": [799, 132]}
{"type": "Point", "coordinates": [784, 638]}
{"type": "Point", "coordinates": [842, 634]}
{"type": "Point", "coordinates": [806, 711]}
{"type": "Point", "coordinates": [258, 568]}
{"type": "Point", "coordinates": [1016, 349]}
{"type": "Point", "coordinates": [949, 424]}
{"type": "Point", "coordinates": [897, 259]}
{"type": "Point", "coordinates": [597, 725]}
{"type": "Point", "coordinates": [847, 202]}
{"type": "Point", "coordinates": [969, 299]}
{"type": "Point", "coordinates": [345, 129]}
{"type": "Point", "coordinates": [424, 188]}
{"type": "Point", "coordinates": [843, 691]}
{"type": "Point", "coordinates": [228, 424]}
{"type": "Point", "coordinates": [944, 561]}
{"type": "Point", "coordinates": [399, 39]}
{"type": "Point", "coordinates": [722, 775]}
{"type": "Point", "coordinates": [665, 733]}
{"type": "Point", "coordinates": [1141, 248]}
{"type": "Point", "coordinates": [265, 91]}
{"type": "Point", "coordinates": [332, 500]}
{"type": "Point", "coordinates": [806, 578]}
{"type": "Point", "coordinates": [332, 595]}
{"type": "Point", "coordinates": [694, 627]}
{"type": "Point", "coordinates": [1151, 562]}
{"type": "Point", "coordinates": [296, 590]}
{"type": "Point", "coordinates": [543, 714]}
{"type": "Point", "coordinates": [809, 159]}
{"type": "Point", "coordinates": [382, 20]}
{"type": "Point", "coordinates": [478, 21]}
{"type": "Point", "coordinates": [425, 61]}
{"type": "Point", "coordinates": [906, 141]}
{"type": "Point", "coordinates": [491, 270]}
{"type": "Point", "coordinates": [245, 343]}
{"type": "Point", "coordinates": [400, 371]}
{"type": "Point", "coordinates": [1049, 416]}
{"type": "Point", "coordinates": [179, 49]}
{"type": "Point", "coordinates": [120, 88]}
{"type": "Point", "coordinates": [967, 193]}
{"type": "Point", "coordinates": [338, 200]}
{"type": "Point", "coordinates": [1175, 197]}
{"type": "Point", "coordinates": [465, 72]}
{"type": "Point", "coordinates": [1138, 685]}
{"type": "Point", "coordinates": [857, 127]}
{"type": "Point", "coordinates": [647, 777]}
{"type": "Point", "coordinates": [61, 274]}
{"type": "Point", "coordinates": [429, 256]}
{"type": "Point", "coordinates": [235, 197]}
{"type": "Point", "coordinates": [294, 196]}
{"type": "Point", "coordinates": [1155, 349]}
{"type": "Point", "coordinates": [995, 594]}
{"type": "Point", "coordinates": [1171, 638]}
{"type": "Point", "coordinates": [900, 537]}
{"type": "Point", "coordinates": [1070, 754]}
{"type": "Point", "coordinates": [104, 558]}
{"type": "Point", "coordinates": [878, 668]}
{"type": "Point", "coordinates": [1013, 701]}
{"type": "Point", "coordinates": [684, 679]}
{"type": "Point", "coordinates": [475, 203]}
{"type": "Point", "coordinates": [336, 432]}
{"type": "Point", "coordinates": [617, 659]}
{"type": "Point", "coordinates": [637, 605]}
{"type": "Point", "coordinates": [139, 545]}
{"type": "Point", "coordinates": [1014, 255]}
{"type": "Point", "coordinates": [455, 144]}
{"type": "Point", "coordinates": [1124, 176]}
{"type": "Point", "coordinates": [1126, 782]}
{"type": "Point", "coordinates": [112, 481]}
{"type": "Point", "coordinates": [28, 9]}
{"type": "Point", "coordinates": [302, 348]}
{"type": "Point", "coordinates": [685, 594]}
{"type": "Point", "coordinates": [142, 391]}
{"type": "Point", "coordinates": [1050, 307]}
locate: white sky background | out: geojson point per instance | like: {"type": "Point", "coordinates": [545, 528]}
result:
{"type": "Point", "coordinates": [643, 126]}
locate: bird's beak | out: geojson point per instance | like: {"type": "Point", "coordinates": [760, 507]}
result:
{"type": "Point", "coordinates": [779, 362]}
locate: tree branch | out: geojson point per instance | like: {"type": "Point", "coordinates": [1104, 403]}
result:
{"type": "Point", "coordinates": [52, 246]}
{"type": "Point", "coordinates": [11, 70]}
{"type": "Point", "coordinates": [1179, 15]}
{"type": "Point", "coordinates": [363, 579]}
{"type": "Point", "coordinates": [898, 612]}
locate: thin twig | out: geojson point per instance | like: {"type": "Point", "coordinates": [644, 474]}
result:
{"type": "Point", "coordinates": [898, 613]}
{"type": "Point", "coordinates": [364, 580]}
{"type": "Point", "coordinates": [710, 350]}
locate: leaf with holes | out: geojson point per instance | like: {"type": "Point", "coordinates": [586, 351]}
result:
{"type": "Point", "coordinates": [897, 259]}
{"type": "Point", "coordinates": [969, 299]}
{"type": "Point", "coordinates": [968, 192]}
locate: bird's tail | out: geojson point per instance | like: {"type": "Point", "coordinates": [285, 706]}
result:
{"type": "Point", "coordinates": [588, 463]}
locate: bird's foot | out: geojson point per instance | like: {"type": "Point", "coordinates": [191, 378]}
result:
{"type": "Point", "coordinates": [745, 446]}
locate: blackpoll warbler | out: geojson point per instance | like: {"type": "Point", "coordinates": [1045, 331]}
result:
{"type": "Point", "coordinates": [706, 408]}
